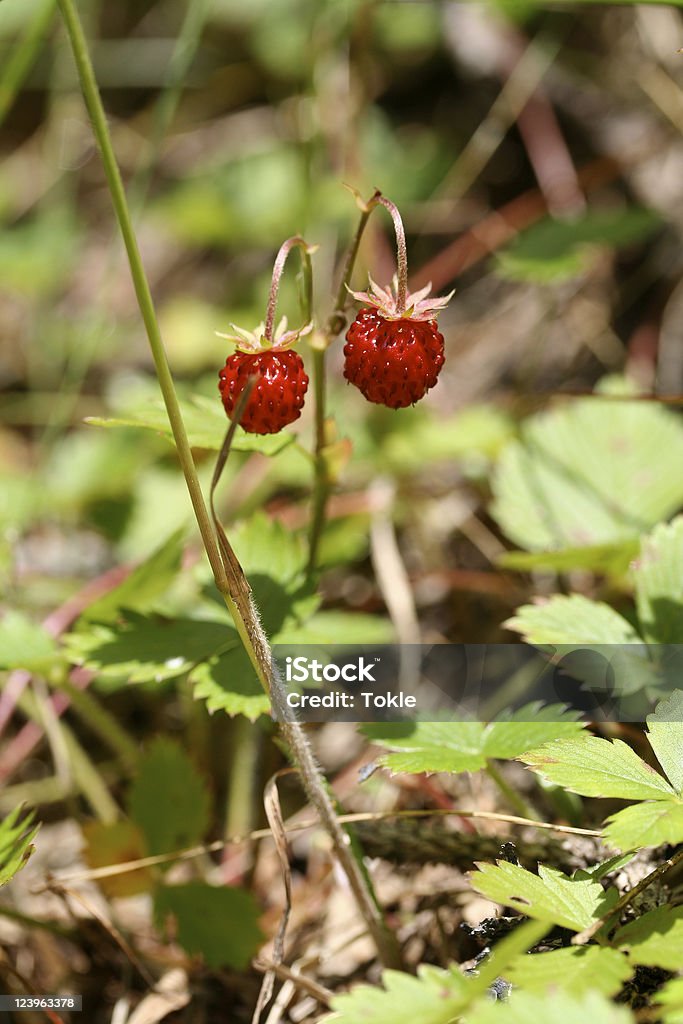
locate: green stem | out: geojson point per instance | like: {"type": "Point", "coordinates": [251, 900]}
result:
{"type": "Point", "coordinates": [278, 268]}
{"type": "Point", "coordinates": [23, 55]}
{"type": "Point", "coordinates": [98, 118]}
{"type": "Point", "coordinates": [512, 797]}
{"type": "Point", "coordinates": [401, 253]}
{"type": "Point", "coordinates": [184, 51]}
{"type": "Point", "coordinates": [321, 481]}
{"type": "Point", "coordinates": [335, 324]}
{"type": "Point", "coordinates": [103, 724]}
{"type": "Point", "coordinates": [244, 758]}
{"type": "Point", "coordinates": [228, 574]}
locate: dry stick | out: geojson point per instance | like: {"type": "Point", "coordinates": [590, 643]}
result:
{"type": "Point", "coordinates": [588, 933]}
{"type": "Point", "coordinates": [346, 819]}
{"type": "Point", "coordinates": [228, 576]}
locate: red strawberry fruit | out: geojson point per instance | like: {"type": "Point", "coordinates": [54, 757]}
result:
{"type": "Point", "coordinates": [280, 381]}
{"type": "Point", "coordinates": [394, 350]}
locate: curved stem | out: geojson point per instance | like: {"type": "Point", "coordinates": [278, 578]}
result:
{"type": "Point", "coordinates": [401, 254]}
{"type": "Point", "coordinates": [226, 569]}
{"type": "Point", "coordinates": [278, 268]}
{"type": "Point", "coordinates": [511, 795]}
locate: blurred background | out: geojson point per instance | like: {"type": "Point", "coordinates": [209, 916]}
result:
{"type": "Point", "coordinates": [236, 125]}
{"type": "Point", "coordinates": [535, 152]}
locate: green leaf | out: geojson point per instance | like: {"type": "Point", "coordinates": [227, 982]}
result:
{"type": "Point", "coordinates": [610, 559]}
{"type": "Point", "coordinates": [229, 683]}
{"type": "Point", "coordinates": [570, 480]}
{"type": "Point", "coordinates": [264, 546]}
{"type": "Point", "coordinates": [562, 1008]}
{"type": "Point", "coordinates": [646, 824]}
{"type": "Point", "coordinates": [665, 733]}
{"type": "Point", "coordinates": [436, 995]}
{"type": "Point", "coordinates": [553, 250]}
{"type": "Point", "coordinates": [549, 896]}
{"type": "Point", "coordinates": [572, 619]}
{"type": "Point", "coordinates": [595, 767]}
{"type": "Point", "coordinates": [218, 922]}
{"type": "Point", "coordinates": [338, 628]}
{"type": "Point", "coordinates": [670, 996]}
{"type": "Point", "coordinates": [576, 969]}
{"type": "Point", "coordinates": [466, 746]}
{"type": "Point", "coordinates": [658, 576]}
{"type": "Point", "coordinates": [16, 843]}
{"type": "Point", "coordinates": [146, 648]}
{"type": "Point", "coordinates": [430, 746]}
{"type": "Point", "coordinates": [144, 585]}
{"type": "Point", "coordinates": [655, 939]}
{"type": "Point", "coordinates": [206, 425]}
{"type": "Point", "coordinates": [25, 644]}
{"type": "Point", "coordinates": [169, 800]}
{"type": "Point", "coordinates": [530, 727]}
{"type": "Point", "coordinates": [478, 432]}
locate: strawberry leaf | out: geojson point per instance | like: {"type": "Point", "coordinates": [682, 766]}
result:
{"type": "Point", "coordinates": [569, 480]}
{"type": "Point", "coordinates": [572, 619]}
{"type": "Point", "coordinates": [670, 996]}
{"type": "Point", "coordinates": [467, 746]}
{"type": "Point", "coordinates": [16, 843]}
{"type": "Point", "coordinates": [435, 996]}
{"type": "Point", "coordinates": [562, 1008]}
{"type": "Point", "coordinates": [25, 644]}
{"type": "Point", "coordinates": [655, 939]}
{"type": "Point", "coordinates": [549, 896]}
{"type": "Point", "coordinates": [596, 767]}
{"type": "Point", "coordinates": [206, 425]}
{"type": "Point", "coordinates": [143, 648]}
{"type": "Point", "coordinates": [229, 683]}
{"type": "Point", "coordinates": [169, 800]}
{"type": "Point", "coordinates": [647, 824]}
{"type": "Point", "coordinates": [577, 969]}
{"type": "Point", "coordinates": [665, 733]}
{"type": "Point", "coordinates": [658, 576]}
{"type": "Point", "coordinates": [218, 922]}
{"type": "Point", "coordinates": [144, 585]}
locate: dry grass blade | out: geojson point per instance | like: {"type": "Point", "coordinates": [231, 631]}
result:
{"type": "Point", "coordinates": [271, 803]}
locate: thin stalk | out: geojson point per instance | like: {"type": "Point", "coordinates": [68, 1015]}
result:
{"type": "Point", "coordinates": [184, 51]}
{"type": "Point", "coordinates": [227, 573]}
{"type": "Point", "coordinates": [401, 252]}
{"type": "Point", "coordinates": [82, 770]}
{"type": "Point", "coordinates": [321, 480]}
{"type": "Point", "coordinates": [512, 797]}
{"type": "Point", "coordinates": [244, 757]}
{"type": "Point", "coordinates": [278, 268]}
{"type": "Point", "coordinates": [322, 341]}
{"type": "Point", "coordinates": [103, 724]}
{"type": "Point", "coordinates": [23, 56]}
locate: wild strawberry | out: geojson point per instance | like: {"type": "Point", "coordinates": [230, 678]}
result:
{"type": "Point", "coordinates": [394, 351]}
{"type": "Point", "coordinates": [280, 381]}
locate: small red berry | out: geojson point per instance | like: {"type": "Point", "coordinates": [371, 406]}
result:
{"type": "Point", "coordinates": [394, 355]}
{"type": "Point", "coordinates": [280, 381]}
{"type": "Point", "coordinates": [278, 393]}
{"type": "Point", "coordinates": [392, 362]}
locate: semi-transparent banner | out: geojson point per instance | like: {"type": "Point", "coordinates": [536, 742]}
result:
{"type": "Point", "coordinates": [478, 682]}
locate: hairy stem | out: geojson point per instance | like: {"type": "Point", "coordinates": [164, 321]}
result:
{"type": "Point", "coordinates": [401, 253]}
{"type": "Point", "coordinates": [226, 570]}
{"type": "Point", "coordinates": [278, 268]}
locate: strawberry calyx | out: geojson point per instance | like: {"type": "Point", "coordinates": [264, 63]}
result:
{"type": "Point", "coordinates": [388, 302]}
{"type": "Point", "coordinates": [256, 341]}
